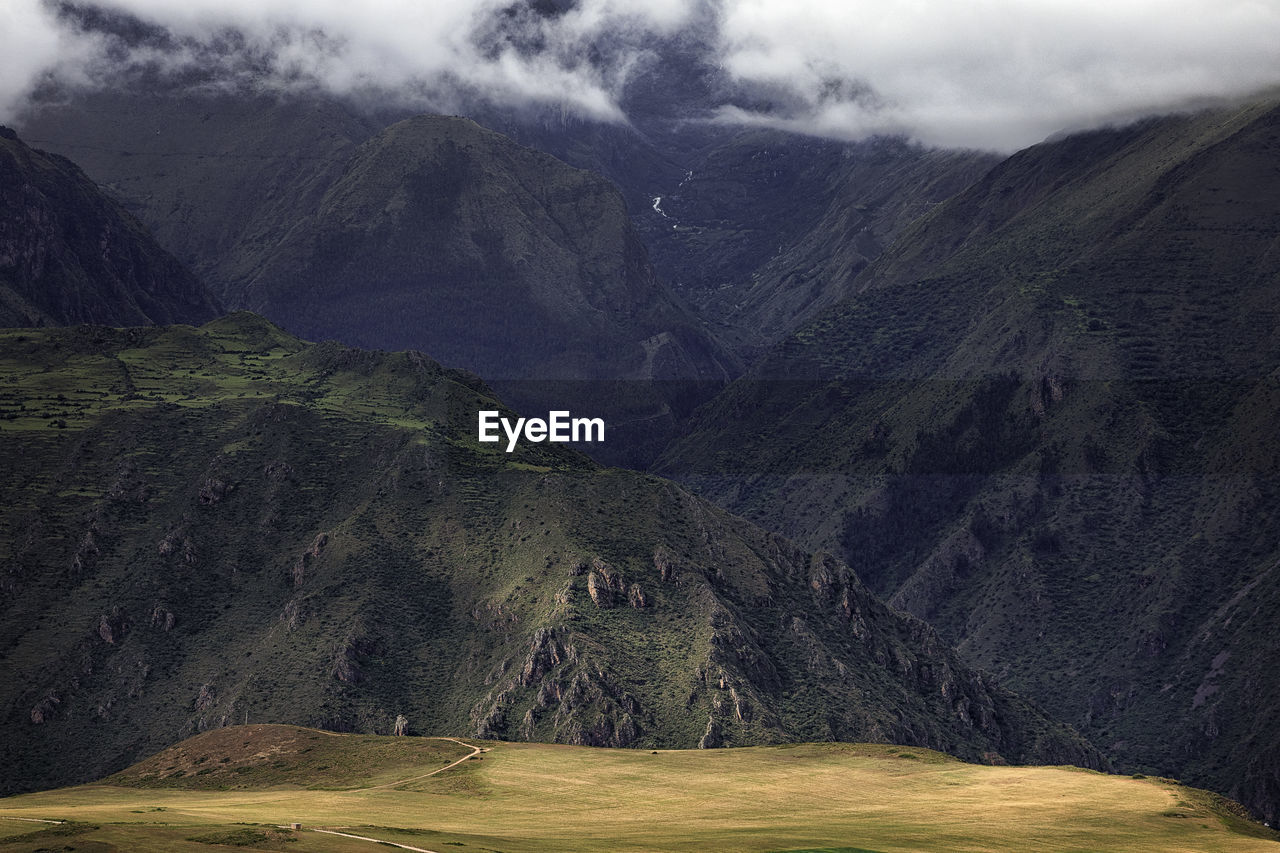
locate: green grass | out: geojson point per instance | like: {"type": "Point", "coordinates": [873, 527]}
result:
{"type": "Point", "coordinates": [537, 797]}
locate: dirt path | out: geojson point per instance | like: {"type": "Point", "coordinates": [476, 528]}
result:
{"type": "Point", "coordinates": [476, 750]}
{"type": "Point", "coordinates": [374, 840]}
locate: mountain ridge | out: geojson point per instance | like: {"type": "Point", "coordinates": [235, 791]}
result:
{"type": "Point", "coordinates": [68, 254]}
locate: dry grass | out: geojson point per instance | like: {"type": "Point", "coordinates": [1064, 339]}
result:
{"type": "Point", "coordinates": [536, 797]}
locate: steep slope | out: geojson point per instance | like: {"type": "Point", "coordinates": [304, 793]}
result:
{"type": "Point", "coordinates": [432, 233]}
{"type": "Point", "coordinates": [758, 229]}
{"type": "Point", "coordinates": [219, 178]}
{"type": "Point", "coordinates": [1046, 425]}
{"type": "Point", "coordinates": [69, 255]}
{"type": "Point", "coordinates": [214, 525]}
{"type": "Point", "coordinates": [766, 229]}
{"type": "Point", "coordinates": [503, 259]}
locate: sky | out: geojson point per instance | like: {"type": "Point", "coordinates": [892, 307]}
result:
{"type": "Point", "coordinates": [996, 74]}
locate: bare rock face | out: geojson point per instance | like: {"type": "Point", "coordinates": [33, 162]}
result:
{"type": "Point", "coordinates": [278, 471]}
{"type": "Point", "coordinates": [176, 541]}
{"type": "Point", "coordinates": [545, 654]}
{"type": "Point", "coordinates": [129, 486]}
{"type": "Point", "coordinates": [604, 583]}
{"type": "Point", "coordinates": [213, 490]}
{"type": "Point", "coordinates": [402, 725]}
{"type": "Point", "coordinates": [529, 725]}
{"type": "Point", "coordinates": [293, 614]}
{"type": "Point", "coordinates": [598, 588]}
{"type": "Point", "coordinates": [636, 597]}
{"type": "Point", "coordinates": [577, 701]}
{"type": "Point", "coordinates": [43, 710]}
{"type": "Point", "coordinates": [163, 618]}
{"type": "Point", "coordinates": [112, 626]}
{"type": "Point", "coordinates": [206, 697]}
{"type": "Point", "coordinates": [349, 658]}
{"type": "Point", "coordinates": [665, 564]}
{"type": "Point", "coordinates": [300, 565]}
{"type": "Point", "coordinates": [87, 553]}
{"type": "Point", "coordinates": [713, 737]}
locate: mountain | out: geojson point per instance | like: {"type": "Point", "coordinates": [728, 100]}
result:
{"type": "Point", "coordinates": [429, 233]}
{"type": "Point", "coordinates": [68, 254]}
{"type": "Point", "coordinates": [504, 259]}
{"type": "Point", "coordinates": [756, 230]}
{"type": "Point", "coordinates": [766, 228]}
{"type": "Point", "coordinates": [1045, 423]}
{"type": "Point", "coordinates": [225, 524]}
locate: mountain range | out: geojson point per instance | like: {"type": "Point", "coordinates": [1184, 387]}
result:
{"type": "Point", "coordinates": [1044, 423]}
{"type": "Point", "coordinates": [1026, 403]}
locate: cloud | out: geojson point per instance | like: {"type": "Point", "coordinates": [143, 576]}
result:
{"type": "Point", "coordinates": [988, 73]}
{"type": "Point", "coordinates": [993, 73]}
{"type": "Point", "coordinates": [32, 47]}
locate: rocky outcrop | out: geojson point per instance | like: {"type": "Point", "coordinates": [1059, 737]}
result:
{"type": "Point", "coordinates": [163, 618]}
{"type": "Point", "coordinates": [112, 626]}
{"type": "Point", "coordinates": [605, 585]}
{"type": "Point", "coordinates": [300, 566]}
{"type": "Point", "coordinates": [206, 698]}
{"type": "Point", "coordinates": [86, 556]}
{"type": "Point", "coordinates": [178, 542]}
{"type": "Point", "coordinates": [45, 708]}
{"type": "Point", "coordinates": [293, 614]}
{"type": "Point", "coordinates": [713, 737]}
{"type": "Point", "coordinates": [566, 699]}
{"type": "Point", "coordinates": [350, 656]}
{"type": "Point", "coordinates": [213, 490]}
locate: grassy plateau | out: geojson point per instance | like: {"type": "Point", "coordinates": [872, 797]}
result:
{"type": "Point", "coordinates": [242, 786]}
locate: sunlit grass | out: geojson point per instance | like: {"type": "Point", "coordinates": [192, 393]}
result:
{"type": "Point", "coordinates": [537, 797]}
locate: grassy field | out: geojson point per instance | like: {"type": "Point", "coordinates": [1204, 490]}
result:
{"type": "Point", "coordinates": [535, 797]}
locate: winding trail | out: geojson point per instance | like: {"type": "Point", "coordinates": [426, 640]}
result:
{"type": "Point", "coordinates": [475, 750]}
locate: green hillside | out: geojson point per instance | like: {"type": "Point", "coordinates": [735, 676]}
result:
{"type": "Point", "coordinates": [244, 786]}
{"type": "Point", "coordinates": [224, 525]}
{"type": "Point", "coordinates": [1046, 425]}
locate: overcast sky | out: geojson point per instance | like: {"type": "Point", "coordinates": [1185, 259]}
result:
{"type": "Point", "coordinates": [984, 73]}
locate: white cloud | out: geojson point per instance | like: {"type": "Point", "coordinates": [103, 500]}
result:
{"type": "Point", "coordinates": [31, 47]}
{"type": "Point", "coordinates": [995, 73]}
{"type": "Point", "coordinates": [986, 73]}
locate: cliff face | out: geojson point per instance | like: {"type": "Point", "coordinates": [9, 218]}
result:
{"type": "Point", "coordinates": [68, 254]}
{"type": "Point", "coordinates": [224, 524]}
